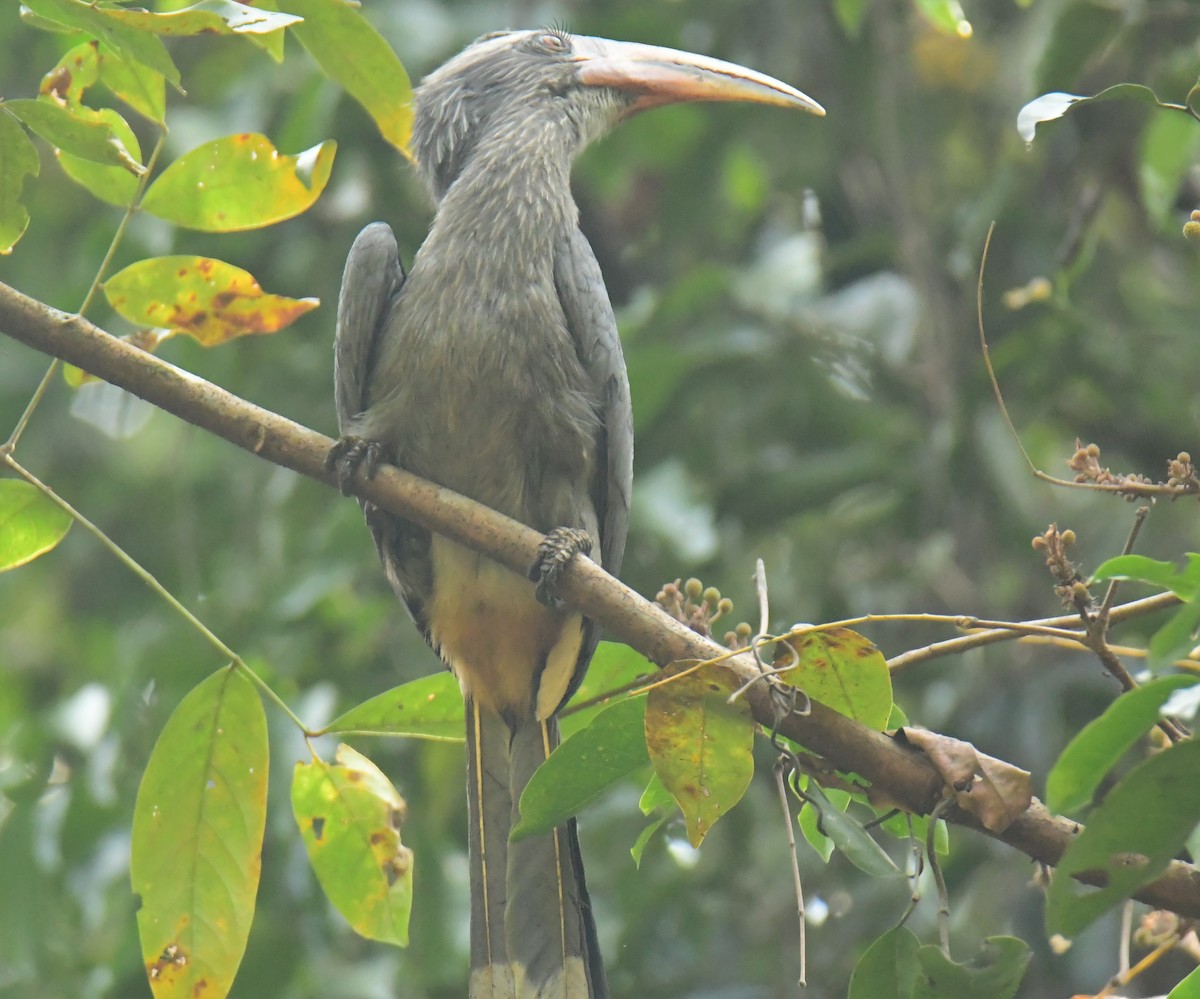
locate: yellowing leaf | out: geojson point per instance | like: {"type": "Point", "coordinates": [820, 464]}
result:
{"type": "Point", "coordinates": [239, 182]}
{"type": "Point", "coordinates": [700, 744]}
{"type": "Point", "coordinates": [843, 671]}
{"type": "Point", "coordinates": [353, 53]}
{"type": "Point", "coordinates": [30, 523]}
{"type": "Point", "coordinates": [349, 816]}
{"type": "Point", "coordinates": [208, 299]}
{"type": "Point", "coordinates": [18, 160]}
{"type": "Point", "coordinates": [197, 838]}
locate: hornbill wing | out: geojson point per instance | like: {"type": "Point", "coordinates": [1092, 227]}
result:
{"type": "Point", "coordinates": [372, 278]}
{"type": "Point", "coordinates": [593, 327]}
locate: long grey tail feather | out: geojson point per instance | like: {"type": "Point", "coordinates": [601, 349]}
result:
{"type": "Point", "coordinates": [532, 931]}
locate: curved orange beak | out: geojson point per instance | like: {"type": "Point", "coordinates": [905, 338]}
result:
{"type": "Point", "coordinates": [654, 76]}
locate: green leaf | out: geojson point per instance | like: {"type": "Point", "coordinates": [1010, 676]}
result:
{"type": "Point", "coordinates": [349, 816]}
{"type": "Point", "coordinates": [220, 17]}
{"type": "Point", "coordinates": [77, 130]}
{"type": "Point", "coordinates": [1169, 146]}
{"type": "Point", "coordinates": [113, 184]}
{"type": "Point", "coordinates": [1175, 638]}
{"type": "Point", "coordinates": [197, 838]}
{"type": "Point", "coordinates": [139, 86]}
{"type": "Point", "coordinates": [239, 182]}
{"type": "Point", "coordinates": [810, 821]}
{"type": "Point", "coordinates": [1048, 107]}
{"type": "Point", "coordinates": [1095, 750]}
{"type": "Point", "coordinates": [843, 670]}
{"type": "Point", "coordinates": [428, 708]}
{"type": "Point", "coordinates": [700, 744]}
{"type": "Point", "coordinates": [945, 15]}
{"type": "Point", "coordinates": [130, 43]}
{"type": "Point", "coordinates": [849, 836]}
{"type": "Point", "coordinates": [208, 299]}
{"type": "Point", "coordinates": [850, 15]}
{"type": "Point", "coordinates": [1189, 988]}
{"type": "Point", "coordinates": [1184, 582]}
{"type": "Point", "coordinates": [643, 840]}
{"type": "Point", "coordinates": [350, 51]}
{"type": "Point", "coordinates": [613, 667]}
{"type": "Point", "coordinates": [888, 968]}
{"type": "Point", "coordinates": [30, 522]}
{"type": "Point", "coordinates": [994, 973]}
{"type": "Point", "coordinates": [1129, 840]}
{"type": "Point", "coordinates": [584, 767]}
{"type": "Point", "coordinates": [18, 160]}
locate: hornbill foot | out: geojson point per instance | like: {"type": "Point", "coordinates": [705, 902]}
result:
{"type": "Point", "coordinates": [556, 550]}
{"type": "Point", "coordinates": [348, 455]}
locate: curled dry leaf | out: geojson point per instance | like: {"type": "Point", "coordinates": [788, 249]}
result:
{"type": "Point", "coordinates": [990, 789]}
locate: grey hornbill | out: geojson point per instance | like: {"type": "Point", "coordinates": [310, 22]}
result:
{"type": "Point", "coordinates": [494, 368]}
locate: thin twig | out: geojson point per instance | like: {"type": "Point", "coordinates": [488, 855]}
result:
{"type": "Point", "coordinates": [148, 578]}
{"type": "Point", "coordinates": [943, 911]}
{"type": "Point", "coordinates": [1139, 518]}
{"type": "Point", "coordinates": [791, 835]}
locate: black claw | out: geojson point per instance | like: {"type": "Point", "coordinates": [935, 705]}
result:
{"type": "Point", "coordinates": [556, 550]}
{"type": "Point", "coordinates": [348, 455]}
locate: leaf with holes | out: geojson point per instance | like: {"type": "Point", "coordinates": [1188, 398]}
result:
{"type": "Point", "coordinates": [239, 182]}
{"type": "Point", "coordinates": [700, 744]}
{"type": "Point", "coordinates": [197, 838]}
{"type": "Point", "coordinates": [349, 816]}
{"type": "Point", "coordinates": [208, 299]}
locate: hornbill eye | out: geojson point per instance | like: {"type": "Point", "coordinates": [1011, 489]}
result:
{"type": "Point", "coordinates": [554, 42]}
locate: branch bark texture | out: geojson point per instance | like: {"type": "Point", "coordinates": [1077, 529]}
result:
{"type": "Point", "coordinates": [902, 774]}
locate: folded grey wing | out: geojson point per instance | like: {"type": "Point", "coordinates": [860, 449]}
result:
{"type": "Point", "coordinates": [593, 327]}
{"type": "Point", "coordinates": [372, 277]}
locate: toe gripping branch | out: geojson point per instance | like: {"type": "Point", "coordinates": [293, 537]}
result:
{"type": "Point", "coordinates": [557, 549]}
{"type": "Point", "coordinates": [348, 455]}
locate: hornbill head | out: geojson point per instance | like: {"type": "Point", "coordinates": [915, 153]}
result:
{"type": "Point", "coordinates": [535, 90]}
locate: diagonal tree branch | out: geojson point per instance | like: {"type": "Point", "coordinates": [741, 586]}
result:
{"type": "Point", "coordinates": [902, 774]}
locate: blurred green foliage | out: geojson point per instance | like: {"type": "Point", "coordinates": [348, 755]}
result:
{"type": "Point", "coordinates": [798, 303]}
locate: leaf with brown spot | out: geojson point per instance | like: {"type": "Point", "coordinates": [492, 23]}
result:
{"type": "Point", "coordinates": [990, 789]}
{"type": "Point", "coordinates": [239, 182]}
{"type": "Point", "coordinates": [208, 299]}
{"type": "Point", "coordinates": [700, 744]}
{"type": "Point", "coordinates": [349, 816]}
{"type": "Point", "coordinates": [841, 669]}
{"type": "Point", "coordinates": [197, 838]}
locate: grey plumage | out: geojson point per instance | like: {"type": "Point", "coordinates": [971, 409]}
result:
{"type": "Point", "coordinates": [494, 368]}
